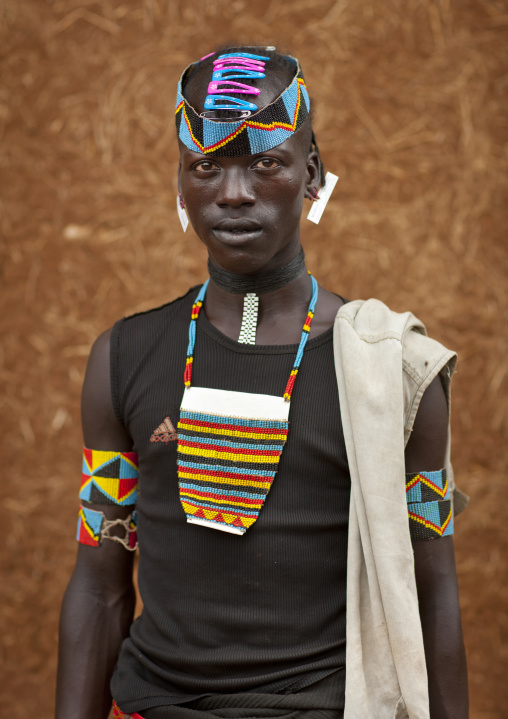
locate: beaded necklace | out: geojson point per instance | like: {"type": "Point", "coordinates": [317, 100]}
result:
{"type": "Point", "coordinates": [230, 443]}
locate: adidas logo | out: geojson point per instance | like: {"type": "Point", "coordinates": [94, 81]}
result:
{"type": "Point", "coordinates": [165, 432]}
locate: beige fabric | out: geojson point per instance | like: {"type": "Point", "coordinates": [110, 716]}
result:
{"type": "Point", "coordinates": [384, 363]}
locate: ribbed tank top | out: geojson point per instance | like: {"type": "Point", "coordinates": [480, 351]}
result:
{"type": "Point", "coordinates": [224, 613]}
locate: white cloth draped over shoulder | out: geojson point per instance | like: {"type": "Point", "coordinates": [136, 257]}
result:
{"type": "Point", "coordinates": [384, 362]}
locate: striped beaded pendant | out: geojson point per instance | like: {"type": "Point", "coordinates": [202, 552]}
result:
{"type": "Point", "coordinates": [230, 443]}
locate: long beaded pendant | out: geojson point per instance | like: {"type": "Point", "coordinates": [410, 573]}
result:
{"type": "Point", "coordinates": [230, 443]}
{"type": "Point", "coordinates": [249, 319]}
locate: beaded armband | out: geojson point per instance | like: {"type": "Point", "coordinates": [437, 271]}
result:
{"type": "Point", "coordinates": [93, 527]}
{"type": "Point", "coordinates": [429, 505]}
{"type": "Point", "coordinates": [109, 477]}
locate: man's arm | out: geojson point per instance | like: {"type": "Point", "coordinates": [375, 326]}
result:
{"type": "Point", "coordinates": [436, 577]}
{"type": "Point", "coordinates": [99, 601]}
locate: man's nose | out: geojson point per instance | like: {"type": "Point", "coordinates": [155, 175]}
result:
{"type": "Point", "coordinates": [235, 188]}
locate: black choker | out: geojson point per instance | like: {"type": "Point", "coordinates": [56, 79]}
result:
{"type": "Point", "coordinates": [261, 283]}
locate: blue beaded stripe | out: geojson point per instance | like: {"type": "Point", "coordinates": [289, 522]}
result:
{"type": "Point", "coordinates": [240, 489]}
{"type": "Point", "coordinates": [192, 326]}
{"type": "Point", "coordinates": [306, 329]}
{"type": "Point", "coordinates": [226, 492]}
{"type": "Point", "coordinates": [231, 509]}
{"type": "Point", "coordinates": [427, 486]}
{"type": "Point", "coordinates": [429, 520]}
{"type": "Point", "coordinates": [219, 419]}
{"type": "Point", "coordinates": [203, 435]}
{"type": "Point", "coordinates": [263, 474]}
{"type": "Point", "coordinates": [227, 442]}
{"type": "Point", "coordinates": [303, 341]}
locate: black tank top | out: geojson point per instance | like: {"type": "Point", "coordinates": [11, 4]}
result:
{"type": "Point", "coordinates": [224, 613]}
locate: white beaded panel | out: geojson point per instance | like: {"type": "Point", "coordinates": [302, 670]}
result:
{"type": "Point", "coordinates": [249, 319]}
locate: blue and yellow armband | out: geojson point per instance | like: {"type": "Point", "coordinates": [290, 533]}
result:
{"type": "Point", "coordinates": [429, 505]}
{"type": "Point", "coordinates": [108, 478]}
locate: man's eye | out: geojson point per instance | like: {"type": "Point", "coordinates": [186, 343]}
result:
{"type": "Point", "coordinates": [205, 166]}
{"type": "Point", "coordinates": [266, 163]}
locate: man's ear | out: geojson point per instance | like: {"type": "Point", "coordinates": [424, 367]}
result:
{"type": "Point", "coordinates": [313, 175]}
{"type": "Point", "coordinates": [178, 176]}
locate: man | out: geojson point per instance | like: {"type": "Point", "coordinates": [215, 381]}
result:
{"type": "Point", "coordinates": [251, 484]}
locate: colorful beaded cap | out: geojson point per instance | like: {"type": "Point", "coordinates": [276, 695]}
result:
{"type": "Point", "coordinates": [262, 130]}
{"type": "Point", "coordinates": [429, 505]}
{"type": "Point", "coordinates": [230, 443]}
{"type": "Point", "coordinates": [109, 477]}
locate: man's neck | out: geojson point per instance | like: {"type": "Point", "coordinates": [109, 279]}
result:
{"type": "Point", "coordinates": [281, 312]}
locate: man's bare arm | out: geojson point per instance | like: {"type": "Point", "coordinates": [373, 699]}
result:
{"type": "Point", "coordinates": [436, 577]}
{"type": "Point", "coordinates": [99, 601]}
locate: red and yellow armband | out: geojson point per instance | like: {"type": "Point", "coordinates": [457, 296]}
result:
{"type": "Point", "coordinates": [108, 478]}
{"type": "Point", "coordinates": [429, 505]}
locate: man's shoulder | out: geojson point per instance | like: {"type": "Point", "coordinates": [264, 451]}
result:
{"type": "Point", "coordinates": [373, 320]}
{"type": "Point", "coordinates": [161, 311]}
{"type": "Point", "coordinates": [370, 322]}
{"type": "Point", "coordinates": [155, 318]}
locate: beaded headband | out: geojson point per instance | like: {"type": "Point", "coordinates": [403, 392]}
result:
{"type": "Point", "coordinates": [250, 132]}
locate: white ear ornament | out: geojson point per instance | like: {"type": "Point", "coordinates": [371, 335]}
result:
{"type": "Point", "coordinates": [182, 215]}
{"type": "Point", "coordinates": [318, 207]}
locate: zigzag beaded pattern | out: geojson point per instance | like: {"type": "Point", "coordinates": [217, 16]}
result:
{"type": "Point", "coordinates": [226, 466]}
{"type": "Point", "coordinates": [429, 505]}
{"type": "Point", "coordinates": [109, 477]}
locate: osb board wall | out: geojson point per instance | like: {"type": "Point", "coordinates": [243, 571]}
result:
{"type": "Point", "coordinates": [410, 102]}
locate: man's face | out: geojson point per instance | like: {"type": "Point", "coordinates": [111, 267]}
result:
{"type": "Point", "coordinates": [246, 210]}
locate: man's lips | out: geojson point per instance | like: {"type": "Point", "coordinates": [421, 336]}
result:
{"type": "Point", "coordinates": [240, 225]}
{"type": "Point", "coordinates": [243, 230]}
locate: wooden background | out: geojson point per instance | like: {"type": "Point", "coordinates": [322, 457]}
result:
{"type": "Point", "coordinates": [410, 103]}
